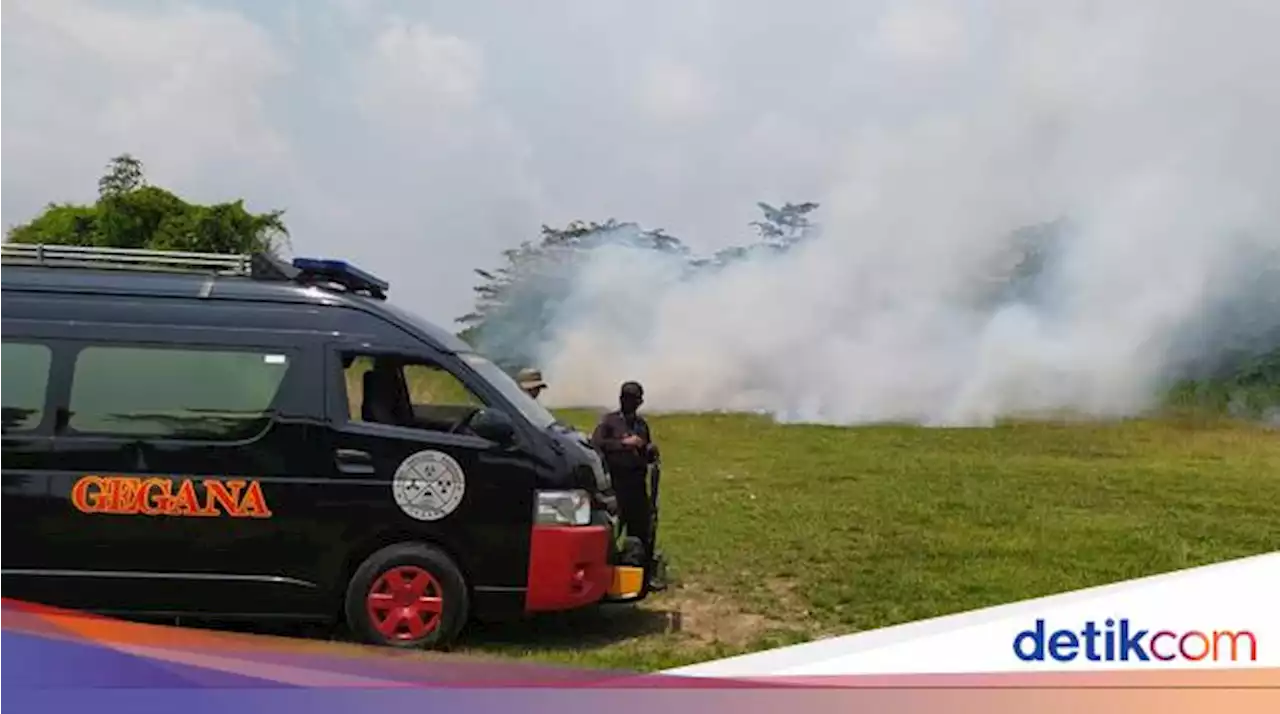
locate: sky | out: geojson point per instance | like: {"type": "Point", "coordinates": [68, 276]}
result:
{"type": "Point", "coordinates": [419, 139]}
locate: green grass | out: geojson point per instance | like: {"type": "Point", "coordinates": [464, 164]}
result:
{"type": "Point", "coordinates": [778, 534]}
{"type": "Point", "coordinates": [781, 533]}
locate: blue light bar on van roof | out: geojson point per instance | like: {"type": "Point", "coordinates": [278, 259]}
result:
{"type": "Point", "coordinates": [341, 272]}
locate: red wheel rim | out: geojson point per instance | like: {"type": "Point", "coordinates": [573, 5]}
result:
{"type": "Point", "coordinates": [405, 603]}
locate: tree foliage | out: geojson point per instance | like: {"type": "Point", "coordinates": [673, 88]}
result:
{"type": "Point", "coordinates": [784, 225]}
{"type": "Point", "coordinates": [130, 213]}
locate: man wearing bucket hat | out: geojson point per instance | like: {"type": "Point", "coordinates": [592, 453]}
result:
{"type": "Point", "coordinates": [531, 382]}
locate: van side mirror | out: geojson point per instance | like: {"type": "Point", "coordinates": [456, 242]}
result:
{"type": "Point", "coordinates": [494, 425]}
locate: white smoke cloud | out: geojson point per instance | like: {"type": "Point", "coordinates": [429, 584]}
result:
{"type": "Point", "coordinates": [1151, 125]}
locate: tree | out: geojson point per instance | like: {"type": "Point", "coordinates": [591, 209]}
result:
{"type": "Point", "coordinates": [517, 303]}
{"type": "Point", "coordinates": [129, 213]}
{"type": "Point", "coordinates": [124, 174]}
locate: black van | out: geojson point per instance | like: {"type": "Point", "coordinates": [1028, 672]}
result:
{"type": "Point", "coordinates": [217, 437]}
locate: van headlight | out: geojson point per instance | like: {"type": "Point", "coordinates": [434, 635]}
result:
{"type": "Point", "coordinates": [562, 508]}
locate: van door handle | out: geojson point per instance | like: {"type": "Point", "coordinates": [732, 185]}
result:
{"type": "Point", "coordinates": [354, 462]}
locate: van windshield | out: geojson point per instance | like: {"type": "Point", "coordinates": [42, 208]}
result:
{"type": "Point", "coordinates": [493, 374]}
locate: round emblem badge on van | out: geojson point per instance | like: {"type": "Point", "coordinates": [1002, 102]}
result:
{"type": "Point", "coordinates": [429, 485]}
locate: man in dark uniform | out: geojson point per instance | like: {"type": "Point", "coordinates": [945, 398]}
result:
{"type": "Point", "coordinates": [624, 439]}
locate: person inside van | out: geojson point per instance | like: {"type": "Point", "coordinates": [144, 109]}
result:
{"type": "Point", "coordinates": [623, 437]}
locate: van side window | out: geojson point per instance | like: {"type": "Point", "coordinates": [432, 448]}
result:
{"type": "Point", "coordinates": [192, 393]}
{"type": "Point", "coordinates": [25, 380]}
{"type": "Point", "coordinates": [406, 393]}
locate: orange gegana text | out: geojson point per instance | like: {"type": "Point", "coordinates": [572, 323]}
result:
{"type": "Point", "coordinates": [158, 496]}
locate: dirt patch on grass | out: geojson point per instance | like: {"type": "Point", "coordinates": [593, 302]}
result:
{"type": "Point", "coordinates": [784, 591]}
{"type": "Point", "coordinates": [701, 616]}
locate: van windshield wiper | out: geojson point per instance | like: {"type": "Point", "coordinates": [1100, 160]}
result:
{"type": "Point", "coordinates": [559, 425]}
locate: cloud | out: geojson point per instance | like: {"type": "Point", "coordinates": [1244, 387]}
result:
{"type": "Point", "coordinates": [674, 93]}
{"type": "Point", "coordinates": [391, 156]}
{"type": "Point", "coordinates": [428, 178]}
{"type": "Point", "coordinates": [920, 32]}
{"type": "Point", "coordinates": [184, 88]}
{"type": "Point", "coordinates": [417, 77]}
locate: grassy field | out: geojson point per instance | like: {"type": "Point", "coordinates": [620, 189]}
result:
{"type": "Point", "coordinates": [778, 534]}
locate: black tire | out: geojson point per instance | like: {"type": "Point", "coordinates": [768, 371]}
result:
{"type": "Point", "coordinates": [399, 613]}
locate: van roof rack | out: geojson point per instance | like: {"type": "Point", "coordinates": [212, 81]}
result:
{"type": "Point", "coordinates": [58, 256]}
{"type": "Point", "coordinates": [258, 266]}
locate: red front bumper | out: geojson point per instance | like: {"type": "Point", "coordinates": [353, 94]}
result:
{"type": "Point", "coordinates": [568, 567]}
